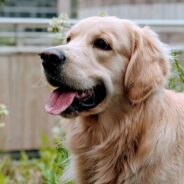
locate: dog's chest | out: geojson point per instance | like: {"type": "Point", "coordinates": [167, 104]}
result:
{"type": "Point", "coordinates": [102, 162]}
{"type": "Point", "coordinates": [110, 162]}
{"type": "Point", "coordinates": [106, 168]}
{"type": "Point", "coordinates": [109, 169]}
{"type": "Point", "coordinates": [106, 163]}
{"type": "Point", "coordinates": [100, 166]}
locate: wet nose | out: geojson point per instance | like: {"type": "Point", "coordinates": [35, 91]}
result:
{"type": "Point", "coordinates": [52, 58]}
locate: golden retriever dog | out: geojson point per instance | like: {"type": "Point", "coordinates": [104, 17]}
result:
{"type": "Point", "coordinates": [125, 128]}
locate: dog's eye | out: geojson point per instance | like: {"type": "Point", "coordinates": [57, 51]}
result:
{"type": "Point", "coordinates": [68, 39]}
{"type": "Point", "coordinates": [101, 44]}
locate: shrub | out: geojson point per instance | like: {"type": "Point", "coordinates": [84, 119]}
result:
{"type": "Point", "coordinates": [176, 80]}
{"type": "Point", "coordinates": [44, 170]}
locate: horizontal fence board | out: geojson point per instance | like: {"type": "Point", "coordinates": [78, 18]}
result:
{"type": "Point", "coordinates": [136, 11]}
{"type": "Point", "coordinates": [21, 31]}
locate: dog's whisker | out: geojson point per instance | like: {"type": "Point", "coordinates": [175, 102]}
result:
{"type": "Point", "coordinates": [40, 83]}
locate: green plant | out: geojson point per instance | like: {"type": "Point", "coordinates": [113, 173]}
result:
{"type": "Point", "coordinates": [59, 26]}
{"type": "Point", "coordinates": [7, 41]}
{"type": "Point", "coordinates": [3, 112]}
{"type": "Point", "coordinates": [176, 80]}
{"type": "Point", "coordinates": [52, 161]}
{"type": "Point", "coordinates": [1, 2]}
{"type": "Point", "coordinates": [45, 170]}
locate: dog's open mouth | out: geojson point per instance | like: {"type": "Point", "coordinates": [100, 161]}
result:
{"type": "Point", "coordinates": [65, 101]}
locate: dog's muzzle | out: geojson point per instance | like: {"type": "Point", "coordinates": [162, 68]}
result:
{"type": "Point", "coordinates": [68, 100]}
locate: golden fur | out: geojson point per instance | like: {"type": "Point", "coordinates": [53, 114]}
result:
{"type": "Point", "coordinates": [136, 136]}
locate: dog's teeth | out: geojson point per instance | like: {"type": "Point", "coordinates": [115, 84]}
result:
{"type": "Point", "coordinates": [84, 94]}
{"type": "Point", "coordinates": [81, 95]}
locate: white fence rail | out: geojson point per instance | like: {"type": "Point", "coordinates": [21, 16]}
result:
{"type": "Point", "coordinates": [31, 32]}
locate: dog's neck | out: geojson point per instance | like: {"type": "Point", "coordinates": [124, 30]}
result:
{"type": "Point", "coordinates": [126, 123]}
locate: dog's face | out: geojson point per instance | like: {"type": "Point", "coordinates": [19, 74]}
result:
{"type": "Point", "coordinates": [102, 63]}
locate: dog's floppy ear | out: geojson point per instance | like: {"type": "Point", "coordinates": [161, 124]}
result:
{"type": "Point", "coordinates": [148, 66]}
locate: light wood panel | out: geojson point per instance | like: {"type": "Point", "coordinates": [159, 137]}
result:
{"type": "Point", "coordinates": [25, 100]}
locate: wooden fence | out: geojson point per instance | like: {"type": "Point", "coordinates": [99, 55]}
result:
{"type": "Point", "coordinates": [22, 32]}
{"type": "Point", "coordinates": [25, 100]}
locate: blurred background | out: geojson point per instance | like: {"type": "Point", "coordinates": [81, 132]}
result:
{"type": "Point", "coordinates": [27, 27]}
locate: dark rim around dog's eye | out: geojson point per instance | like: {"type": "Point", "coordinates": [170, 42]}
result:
{"type": "Point", "coordinates": [101, 44]}
{"type": "Point", "coordinates": [68, 39]}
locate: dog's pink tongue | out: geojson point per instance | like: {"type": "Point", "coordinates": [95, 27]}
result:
{"type": "Point", "coordinates": [59, 101]}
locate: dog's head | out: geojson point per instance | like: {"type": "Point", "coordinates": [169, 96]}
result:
{"type": "Point", "coordinates": [105, 60]}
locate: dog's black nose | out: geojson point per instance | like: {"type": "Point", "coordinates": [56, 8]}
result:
{"type": "Point", "coordinates": [52, 58]}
